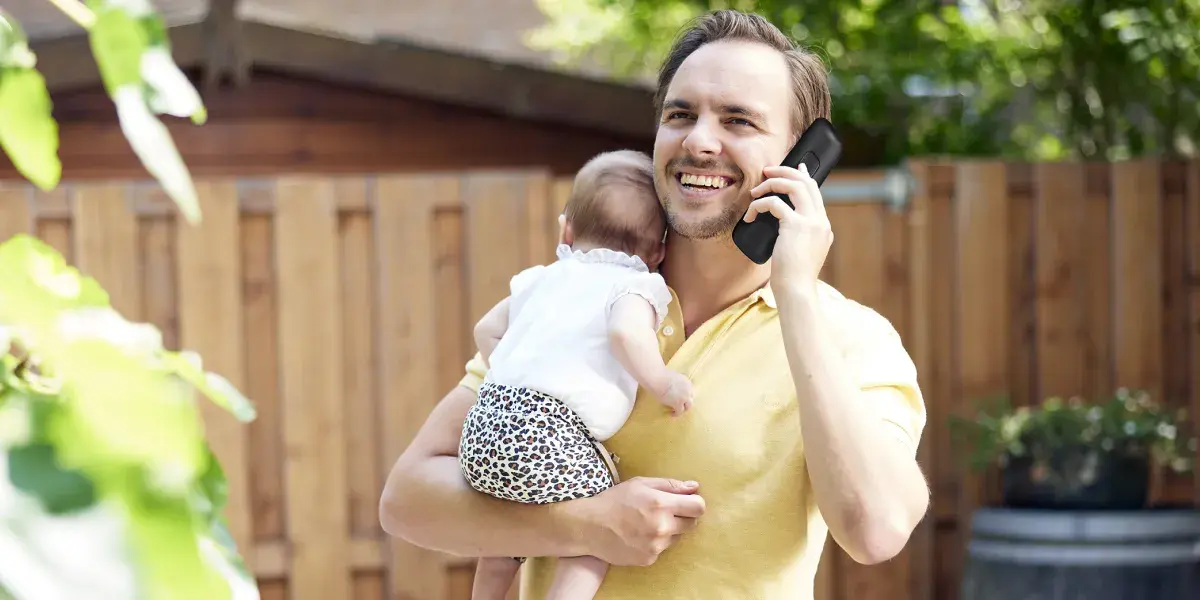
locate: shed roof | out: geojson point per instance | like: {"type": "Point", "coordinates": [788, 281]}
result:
{"type": "Point", "coordinates": [343, 55]}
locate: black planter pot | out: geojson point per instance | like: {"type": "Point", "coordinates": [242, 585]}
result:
{"type": "Point", "coordinates": [1077, 479]}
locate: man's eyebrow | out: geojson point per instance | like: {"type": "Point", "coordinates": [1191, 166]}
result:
{"type": "Point", "coordinates": [677, 103]}
{"type": "Point", "coordinates": [734, 109]}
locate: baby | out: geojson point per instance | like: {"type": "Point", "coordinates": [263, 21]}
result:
{"type": "Point", "coordinates": [566, 352]}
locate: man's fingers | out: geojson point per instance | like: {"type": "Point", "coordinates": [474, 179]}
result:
{"type": "Point", "coordinates": [673, 486]}
{"type": "Point", "coordinates": [684, 505]}
{"type": "Point", "coordinates": [770, 204]}
{"type": "Point", "coordinates": [816, 202]}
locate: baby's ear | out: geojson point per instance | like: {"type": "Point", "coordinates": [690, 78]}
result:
{"type": "Point", "coordinates": [566, 235]}
{"type": "Point", "coordinates": [656, 256]}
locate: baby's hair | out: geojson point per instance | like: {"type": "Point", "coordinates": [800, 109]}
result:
{"type": "Point", "coordinates": [613, 203]}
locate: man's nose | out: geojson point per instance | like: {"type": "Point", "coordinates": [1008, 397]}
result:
{"type": "Point", "coordinates": [702, 139]}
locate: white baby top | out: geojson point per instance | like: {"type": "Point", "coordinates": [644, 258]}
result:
{"type": "Point", "coordinates": [557, 337]}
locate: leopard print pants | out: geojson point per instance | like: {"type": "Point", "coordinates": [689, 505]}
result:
{"type": "Point", "coordinates": [525, 446]}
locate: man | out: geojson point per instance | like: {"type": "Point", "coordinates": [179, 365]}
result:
{"type": "Point", "coordinates": [807, 413]}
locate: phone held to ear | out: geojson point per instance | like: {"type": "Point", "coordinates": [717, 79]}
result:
{"type": "Point", "coordinates": [818, 149]}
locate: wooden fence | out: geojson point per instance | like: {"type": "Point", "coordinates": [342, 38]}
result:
{"type": "Point", "coordinates": [343, 307]}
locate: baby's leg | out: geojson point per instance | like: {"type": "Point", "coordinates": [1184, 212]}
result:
{"type": "Point", "coordinates": [577, 578]}
{"type": "Point", "coordinates": [493, 576]}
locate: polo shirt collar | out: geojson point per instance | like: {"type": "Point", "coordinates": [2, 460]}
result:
{"type": "Point", "coordinates": [766, 294]}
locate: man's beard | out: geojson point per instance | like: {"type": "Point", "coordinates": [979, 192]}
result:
{"type": "Point", "coordinates": [703, 229]}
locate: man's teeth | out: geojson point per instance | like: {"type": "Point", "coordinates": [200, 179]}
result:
{"type": "Point", "coordinates": [703, 180]}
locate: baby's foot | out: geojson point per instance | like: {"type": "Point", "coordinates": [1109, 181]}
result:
{"type": "Point", "coordinates": [678, 395]}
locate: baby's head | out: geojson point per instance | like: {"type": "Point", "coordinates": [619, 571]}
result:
{"type": "Point", "coordinates": [613, 205]}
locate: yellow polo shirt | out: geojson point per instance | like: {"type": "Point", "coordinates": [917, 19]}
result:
{"type": "Point", "coordinates": [762, 536]}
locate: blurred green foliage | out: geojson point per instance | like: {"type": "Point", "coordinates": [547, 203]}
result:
{"type": "Point", "coordinates": [1020, 79]}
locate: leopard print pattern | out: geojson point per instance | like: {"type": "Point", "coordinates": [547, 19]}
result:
{"type": "Point", "coordinates": [525, 446]}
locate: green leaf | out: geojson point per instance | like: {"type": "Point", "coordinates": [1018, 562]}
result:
{"type": "Point", "coordinates": [117, 41]}
{"type": "Point", "coordinates": [221, 552]}
{"type": "Point", "coordinates": [34, 469]}
{"type": "Point", "coordinates": [28, 131]}
{"type": "Point", "coordinates": [14, 44]}
{"type": "Point", "coordinates": [168, 552]}
{"type": "Point", "coordinates": [215, 387]}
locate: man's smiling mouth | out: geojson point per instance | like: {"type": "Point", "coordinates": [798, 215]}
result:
{"type": "Point", "coordinates": [702, 183]}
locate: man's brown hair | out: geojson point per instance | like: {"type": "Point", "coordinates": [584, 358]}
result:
{"type": "Point", "coordinates": [810, 78]}
{"type": "Point", "coordinates": [613, 203]}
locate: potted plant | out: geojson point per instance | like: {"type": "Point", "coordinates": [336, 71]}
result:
{"type": "Point", "coordinates": [1078, 454]}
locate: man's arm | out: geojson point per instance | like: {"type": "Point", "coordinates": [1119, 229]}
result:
{"type": "Point", "coordinates": [427, 502]}
{"type": "Point", "coordinates": [865, 476]}
{"type": "Point", "coordinates": [490, 329]}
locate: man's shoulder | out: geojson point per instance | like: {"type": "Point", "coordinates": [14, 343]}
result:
{"type": "Point", "coordinates": [854, 321]}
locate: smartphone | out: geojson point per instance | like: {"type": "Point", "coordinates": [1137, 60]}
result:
{"type": "Point", "coordinates": [818, 149]}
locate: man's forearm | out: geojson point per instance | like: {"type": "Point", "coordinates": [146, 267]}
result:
{"type": "Point", "coordinates": [867, 484]}
{"type": "Point", "coordinates": [434, 508]}
{"type": "Point", "coordinates": [427, 502]}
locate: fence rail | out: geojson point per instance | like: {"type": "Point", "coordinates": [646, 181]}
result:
{"type": "Point", "coordinates": [343, 306]}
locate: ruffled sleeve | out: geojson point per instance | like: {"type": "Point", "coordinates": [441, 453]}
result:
{"type": "Point", "coordinates": [525, 279]}
{"type": "Point", "coordinates": [650, 286]}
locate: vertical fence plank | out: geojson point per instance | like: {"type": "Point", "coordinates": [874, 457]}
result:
{"type": "Point", "coordinates": [455, 345]}
{"type": "Point", "coordinates": [260, 320]}
{"type": "Point", "coordinates": [160, 294]}
{"type": "Point", "coordinates": [539, 220]}
{"type": "Point", "coordinates": [917, 334]}
{"type": "Point", "coordinates": [311, 385]}
{"type": "Point", "coordinates": [1137, 256]}
{"type": "Point", "coordinates": [1022, 273]}
{"type": "Point", "coordinates": [495, 226]}
{"type": "Point", "coordinates": [1176, 376]}
{"type": "Point", "coordinates": [361, 403]}
{"type": "Point", "coordinates": [1099, 267]}
{"type": "Point", "coordinates": [1061, 289]}
{"type": "Point", "coordinates": [1192, 218]}
{"type": "Point", "coordinates": [941, 375]}
{"type": "Point", "coordinates": [208, 268]}
{"type": "Point", "coordinates": [984, 304]}
{"type": "Point", "coordinates": [106, 243]}
{"type": "Point", "coordinates": [357, 257]}
{"type": "Point", "coordinates": [16, 214]}
{"type": "Point", "coordinates": [407, 347]}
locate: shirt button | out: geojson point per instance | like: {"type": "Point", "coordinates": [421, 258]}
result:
{"type": "Point", "coordinates": [668, 330]}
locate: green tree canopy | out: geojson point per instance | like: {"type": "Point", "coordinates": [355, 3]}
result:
{"type": "Point", "coordinates": [1024, 79]}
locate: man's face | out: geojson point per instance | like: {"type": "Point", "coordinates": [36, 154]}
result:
{"type": "Point", "coordinates": [726, 116]}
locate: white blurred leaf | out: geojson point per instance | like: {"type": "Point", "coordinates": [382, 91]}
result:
{"type": "Point", "coordinates": [152, 143]}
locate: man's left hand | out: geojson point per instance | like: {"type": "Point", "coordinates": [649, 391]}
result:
{"type": "Point", "coordinates": [805, 234]}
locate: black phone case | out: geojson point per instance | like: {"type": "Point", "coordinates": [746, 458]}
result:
{"type": "Point", "coordinates": [819, 149]}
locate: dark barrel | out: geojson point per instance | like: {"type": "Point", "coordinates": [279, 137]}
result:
{"type": "Point", "coordinates": [1018, 554]}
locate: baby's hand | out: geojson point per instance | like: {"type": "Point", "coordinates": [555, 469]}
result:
{"type": "Point", "coordinates": [678, 394]}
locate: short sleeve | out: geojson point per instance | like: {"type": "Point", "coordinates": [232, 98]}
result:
{"type": "Point", "coordinates": [525, 279]}
{"type": "Point", "coordinates": [476, 372]}
{"type": "Point", "coordinates": [650, 286]}
{"type": "Point", "coordinates": [884, 371]}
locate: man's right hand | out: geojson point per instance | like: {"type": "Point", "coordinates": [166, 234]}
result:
{"type": "Point", "coordinates": [640, 518]}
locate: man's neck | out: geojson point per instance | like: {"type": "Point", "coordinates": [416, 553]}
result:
{"type": "Point", "coordinates": [709, 276]}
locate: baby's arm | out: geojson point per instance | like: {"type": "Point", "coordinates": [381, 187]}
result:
{"type": "Point", "coordinates": [490, 329]}
{"type": "Point", "coordinates": [634, 341]}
